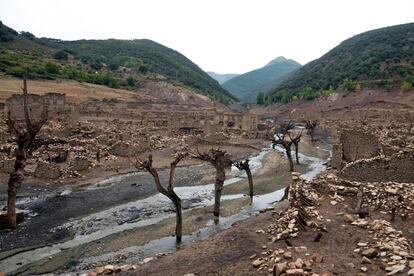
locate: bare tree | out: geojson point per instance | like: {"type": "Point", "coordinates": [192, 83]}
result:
{"type": "Point", "coordinates": [219, 159]}
{"type": "Point", "coordinates": [284, 132]}
{"type": "Point", "coordinates": [310, 125]}
{"type": "Point", "coordinates": [244, 166]}
{"type": "Point", "coordinates": [296, 141]}
{"type": "Point", "coordinates": [286, 144]}
{"type": "Point", "coordinates": [25, 138]}
{"type": "Point", "coordinates": [169, 192]}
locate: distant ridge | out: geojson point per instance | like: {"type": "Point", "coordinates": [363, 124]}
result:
{"type": "Point", "coordinates": [247, 86]}
{"type": "Point", "coordinates": [221, 77]}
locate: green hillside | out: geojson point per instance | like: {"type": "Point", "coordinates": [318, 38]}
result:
{"type": "Point", "coordinates": [112, 62]}
{"type": "Point", "coordinates": [247, 86]}
{"type": "Point", "coordinates": [382, 58]}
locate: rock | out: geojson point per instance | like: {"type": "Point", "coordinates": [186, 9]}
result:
{"type": "Point", "coordinates": [299, 263]}
{"type": "Point", "coordinates": [396, 269]}
{"type": "Point", "coordinates": [370, 252]}
{"type": "Point", "coordinates": [257, 262]}
{"type": "Point", "coordinates": [280, 268]}
{"type": "Point", "coordinates": [411, 264]}
{"type": "Point", "coordinates": [252, 257]}
{"type": "Point", "coordinates": [295, 271]}
{"type": "Point", "coordinates": [348, 218]}
{"type": "Point", "coordinates": [362, 244]}
{"type": "Point", "coordinates": [287, 255]}
{"type": "Point", "coordinates": [189, 274]}
{"type": "Point", "coordinates": [91, 273]}
{"type": "Point", "coordinates": [147, 260]}
{"type": "Point", "coordinates": [391, 191]}
{"type": "Point", "coordinates": [99, 270]}
{"type": "Point", "coordinates": [396, 258]}
{"type": "Point", "coordinates": [350, 265]}
{"type": "Point", "coordinates": [365, 260]}
{"type": "Point", "coordinates": [364, 269]}
{"type": "Point", "coordinates": [403, 254]}
{"type": "Point", "coordinates": [109, 268]}
{"type": "Point", "coordinates": [317, 258]}
{"type": "Point", "coordinates": [125, 267]}
{"type": "Point", "coordinates": [79, 164]}
{"type": "Point", "coordinates": [47, 170]}
{"type": "Point", "coordinates": [333, 202]}
{"type": "Point", "coordinates": [411, 271]}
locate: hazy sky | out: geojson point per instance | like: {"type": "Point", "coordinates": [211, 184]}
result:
{"type": "Point", "coordinates": [225, 36]}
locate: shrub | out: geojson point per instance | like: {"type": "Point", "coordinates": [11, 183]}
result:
{"type": "Point", "coordinates": [406, 86]}
{"type": "Point", "coordinates": [52, 68]}
{"type": "Point", "coordinates": [61, 55]}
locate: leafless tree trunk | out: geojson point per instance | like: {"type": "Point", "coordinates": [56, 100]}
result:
{"type": "Point", "coordinates": [25, 137]}
{"type": "Point", "coordinates": [219, 159]}
{"type": "Point", "coordinates": [296, 141]}
{"type": "Point", "coordinates": [244, 166]}
{"type": "Point", "coordinates": [169, 192]}
{"type": "Point", "coordinates": [286, 144]}
{"type": "Point", "coordinates": [310, 126]}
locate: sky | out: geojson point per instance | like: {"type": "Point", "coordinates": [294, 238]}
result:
{"type": "Point", "coordinates": [224, 36]}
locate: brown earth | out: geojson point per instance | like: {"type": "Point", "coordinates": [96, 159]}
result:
{"type": "Point", "coordinates": [374, 104]}
{"type": "Point", "coordinates": [233, 251]}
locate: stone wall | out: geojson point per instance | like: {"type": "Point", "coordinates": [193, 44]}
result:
{"type": "Point", "coordinates": [354, 144]}
{"type": "Point", "coordinates": [55, 104]}
{"type": "Point", "coordinates": [396, 168]}
{"type": "Point", "coordinates": [359, 144]}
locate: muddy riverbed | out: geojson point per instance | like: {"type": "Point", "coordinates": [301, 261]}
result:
{"type": "Point", "coordinates": [124, 220]}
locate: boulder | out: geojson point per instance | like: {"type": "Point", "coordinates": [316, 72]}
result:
{"type": "Point", "coordinates": [123, 149]}
{"type": "Point", "coordinates": [79, 164]}
{"type": "Point", "coordinates": [47, 170]}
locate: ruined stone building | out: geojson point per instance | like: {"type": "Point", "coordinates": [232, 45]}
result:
{"type": "Point", "coordinates": [55, 104]}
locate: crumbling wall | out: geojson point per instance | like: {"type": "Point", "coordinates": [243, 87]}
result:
{"type": "Point", "coordinates": [355, 144]}
{"type": "Point", "coordinates": [396, 168]}
{"type": "Point", "coordinates": [54, 103]}
{"type": "Point", "coordinates": [359, 144]}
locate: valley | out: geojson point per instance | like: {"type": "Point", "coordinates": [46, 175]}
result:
{"type": "Point", "coordinates": [123, 157]}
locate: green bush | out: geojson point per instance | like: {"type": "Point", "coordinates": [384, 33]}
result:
{"type": "Point", "coordinates": [51, 68]}
{"type": "Point", "coordinates": [406, 86]}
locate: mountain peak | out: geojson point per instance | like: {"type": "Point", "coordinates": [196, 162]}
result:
{"type": "Point", "coordinates": [277, 60]}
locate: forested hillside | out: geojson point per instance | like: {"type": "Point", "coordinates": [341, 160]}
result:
{"type": "Point", "coordinates": [112, 62]}
{"type": "Point", "coordinates": [382, 58]}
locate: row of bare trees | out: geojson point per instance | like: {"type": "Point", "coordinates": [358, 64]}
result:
{"type": "Point", "coordinates": [218, 158]}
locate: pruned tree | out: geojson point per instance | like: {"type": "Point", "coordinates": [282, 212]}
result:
{"type": "Point", "coordinates": [25, 134]}
{"type": "Point", "coordinates": [286, 144]}
{"type": "Point", "coordinates": [169, 191]}
{"type": "Point", "coordinates": [244, 166]}
{"type": "Point", "coordinates": [285, 139]}
{"type": "Point", "coordinates": [296, 140]}
{"type": "Point", "coordinates": [219, 159]}
{"type": "Point", "coordinates": [310, 126]}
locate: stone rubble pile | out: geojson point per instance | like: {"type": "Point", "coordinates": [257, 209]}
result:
{"type": "Point", "coordinates": [384, 196]}
{"type": "Point", "coordinates": [75, 148]}
{"type": "Point", "coordinates": [111, 269]}
{"type": "Point", "coordinates": [388, 247]}
{"type": "Point", "coordinates": [281, 261]}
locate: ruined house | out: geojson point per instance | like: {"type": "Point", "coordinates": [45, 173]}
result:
{"type": "Point", "coordinates": [55, 104]}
